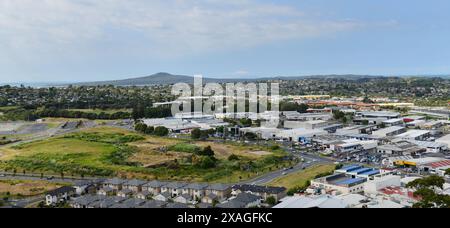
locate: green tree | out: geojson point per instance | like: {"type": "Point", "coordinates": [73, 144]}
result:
{"type": "Point", "coordinates": [161, 131]}
{"type": "Point", "coordinates": [207, 151]}
{"type": "Point", "coordinates": [250, 136]}
{"type": "Point", "coordinates": [149, 130]}
{"type": "Point", "coordinates": [246, 122]}
{"type": "Point", "coordinates": [196, 134]}
{"type": "Point", "coordinates": [271, 201]}
{"type": "Point", "coordinates": [206, 162]}
{"type": "Point", "coordinates": [426, 188]}
{"type": "Point", "coordinates": [233, 157]}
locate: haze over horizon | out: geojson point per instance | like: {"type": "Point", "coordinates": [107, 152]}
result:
{"type": "Point", "coordinates": [87, 40]}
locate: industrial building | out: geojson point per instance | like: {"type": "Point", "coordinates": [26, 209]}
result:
{"type": "Point", "coordinates": [419, 135]}
{"type": "Point", "coordinates": [390, 131]}
{"type": "Point", "coordinates": [349, 179]}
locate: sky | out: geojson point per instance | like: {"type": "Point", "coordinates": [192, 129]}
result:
{"type": "Point", "coordinates": [91, 40]}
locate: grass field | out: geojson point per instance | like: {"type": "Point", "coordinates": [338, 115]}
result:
{"type": "Point", "coordinates": [19, 188]}
{"type": "Point", "coordinates": [108, 151]}
{"type": "Point", "coordinates": [300, 178]}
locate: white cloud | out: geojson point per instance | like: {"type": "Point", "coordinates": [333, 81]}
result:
{"type": "Point", "coordinates": [170, 27]}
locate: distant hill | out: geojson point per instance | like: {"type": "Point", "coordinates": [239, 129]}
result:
{"type": "Point", "coordinates": [169, 79]}
{"type": "Point", "coordinates": [157, 79]}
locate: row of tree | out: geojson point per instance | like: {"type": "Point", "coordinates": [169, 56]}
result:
{"type": "Point", "coordinates": [150, 130]}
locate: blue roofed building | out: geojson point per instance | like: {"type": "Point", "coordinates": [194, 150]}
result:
{"type": "Point", "coordinates": [347, 180]}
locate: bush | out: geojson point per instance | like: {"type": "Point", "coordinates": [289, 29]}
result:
{"type": "Point", "coordinates": [161, 131]}
{"type": "Point", "coordinates": [207, 151]}
{"type": "Point", "coordinates": [233, 157]}
{"type": "Point", "coordinates": [206, 162]}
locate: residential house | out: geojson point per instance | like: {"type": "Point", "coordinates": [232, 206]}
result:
{"type": "Point", "coordinates": [177, 206]}
{"type": "Point", "coordinates": [115, 184]}
{"type": "Point", "coordinates": [133, 203]}
{"type": "Point", "coordinates": [84, 187]}
{"type": "Point", "coordinates": [243, 200]}
{"type": "Point", "coordinates": [134, 185]}
{"type": "Point", "coordinates": [106, 191]}
{"type": "Point", "coordinates": [85, 201]}
{"type": "Point", "coordinates": [197, 190]}
{"type": "Point", "coordinates": [155, 187]}
{"type": "Point", "coordinates": [153, 204]}
{"type": "Point", "coordinates": [164, 196]}
{"type": "Point", "coordinates": [262, 191]}
{"type": "Point", "coordinates": [59, 195]}
{"type": "Point", "coordinates": [210, 199]}
{"type": "Point", "coordinates": [222, 191]}
{"type": "Point", "coordinates": [185, 199]}
{"type": "Point", "coordinates": [177, 188]}
{"type": "Point", "coordinates": [144, 195]}
{"type": "Point", "coordinates": [125, 193]}
{"type": "Point", "coordinates": [106, 202]}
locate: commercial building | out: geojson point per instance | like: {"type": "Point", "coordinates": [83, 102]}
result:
{"type": "Point", "coordinates": [444, 140]}
{"type": "Point", "coordinates": [312, 124]}
{"type": "Point", "coordinates": [393, 122]}
{"type": "Point", "coordinates": [390, 131]}
{"type": "Point", "coordinates": [419, 135]}
{"type": "Point", "coordinates": [431, 147]}
{"type": "Point", "coordinates": [354, 146]}
{"type": "Point", "coordinates": [349, 179]}
{"type": "Point", "coordinates": [300, 134]}
{"type": "Point", "coordinates": [373, 186]}
{"type": "Point", "coordinates": [400, 148]}
{"type": "Point", "coordinates": [383, 115]}
{"type": "Point", "coordinates": [296, 116]}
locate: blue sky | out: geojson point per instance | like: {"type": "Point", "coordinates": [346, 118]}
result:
{"type": "Point", "coordinates": [89, 40]}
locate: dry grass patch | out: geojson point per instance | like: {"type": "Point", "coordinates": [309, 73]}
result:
{"type": "Point", "coordinates": [302, 177]}
{"type": "Point", "coordinates": [26, 188]}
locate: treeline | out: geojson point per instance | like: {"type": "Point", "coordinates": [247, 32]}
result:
{"type": "Point", "coordinates": [58, 113]}
{"type": "Point", "coordinates": [34, 114]}
{"type": "Point", "coordinates": [141, 111]}
{"type": "Point", "coordinates": [150, 130]}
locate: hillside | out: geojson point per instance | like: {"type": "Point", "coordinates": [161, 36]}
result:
{"type": "Point", "coordinates": [168, 79]}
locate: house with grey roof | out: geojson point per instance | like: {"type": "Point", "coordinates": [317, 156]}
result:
{"type": "Point", "coordinates": [114, 183]}
{"type": "Point", "coordinates": [85, 201]}
{"type": "Point", "coordinates": [185, 199]}
{"type": "Point", "coordinates": [103, 203]}
{"type": "Point", "coordinates": [222, 191]}
{"type": "Point", "coordinates": [106, 191]}
{"type": "Point", "coordinates": [204, 206]}
{"type": "Point", "coordinates": [243, 200]}
{"type": "Point", "coordinates": [177, 188]}
{"type": "Point", "coordinates": [59, 195]}
{"type": "Point", "coordinates": [197, 190]}
{"type": "Point", "coordinates": [85, 187]}
{"type": "Point", "coordinates": [177, 206]}
{"type": "Point", "coordinates": [155, 187]}
{"type": "Point", "coordinates": [144, 195]}
{"type": "Point", "coordinates": [210, 199]}
{"type": "Point", "coordinates": [164, 196]}
{"type": "Point", "coordinates": [134, 185]}
{"type": "Point", "coordinates": [264, 191]}
{"type": "Point", "coordinates": [133, 203]}
{"type": "Point", "coordinates": [125, 193]}
{"type": "Point", "coordinates": [153, 204]}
